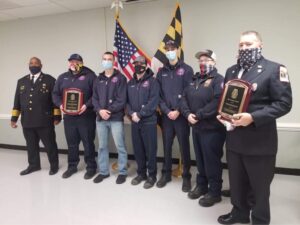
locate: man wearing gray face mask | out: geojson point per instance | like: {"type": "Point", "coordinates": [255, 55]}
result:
{"type": "Point", "coordinates": [251, 143]}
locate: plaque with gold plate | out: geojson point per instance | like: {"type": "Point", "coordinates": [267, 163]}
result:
{"type": "Point", "coordinates": [72, 101]}
{"type": "Point", "coordinates": [235, 98]}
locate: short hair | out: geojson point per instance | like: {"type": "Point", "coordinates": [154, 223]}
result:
{"type": "Point", "coordinates": [109, 53]}
{"type": "Point", "coordinates": [258, 36]}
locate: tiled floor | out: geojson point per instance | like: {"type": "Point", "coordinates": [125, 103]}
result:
{"type": "Point", "coordinates": [38, 198]}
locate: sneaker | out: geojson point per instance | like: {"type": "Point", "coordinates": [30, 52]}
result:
{"type": "Point", "coordinates": [138, 179]}
{"type": "Point", "coordinates": [150, 182]}
{"type": "Point", "coordinates": [100, 178]}
{"type": "Point", "coordinates": [69, 172]}
{"type": "Point", "coordinates": [121, 179]}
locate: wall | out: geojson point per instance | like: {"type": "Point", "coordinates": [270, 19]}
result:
{"type": "Point", "coordinates": [206, 24]}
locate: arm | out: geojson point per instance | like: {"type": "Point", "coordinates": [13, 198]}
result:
{"type": "Point", "coordinates": [184, 107]}
{"type": "Point", "coordinates": [120, 100]}
{"type": "Point", "coordinates": [56, 92]}
{"type": "Point", "coordinates": [93, 77]}
{"type": "Point", "coordinates": [162, 104]}
{"type": "Point", "coordinates": [16, 108]}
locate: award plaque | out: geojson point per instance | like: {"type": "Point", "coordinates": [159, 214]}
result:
{"type": "Point", "coordinates": [235, 98]}
{"type": "Point", "coordinates": [72, 101]}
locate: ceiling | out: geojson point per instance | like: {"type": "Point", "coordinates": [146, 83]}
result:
{"type": "Point", "coordinates": [19, 9]}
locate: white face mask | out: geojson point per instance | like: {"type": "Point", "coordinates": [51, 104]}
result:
{"type": "Point", "coordinates": [107, 64]}
{"type": "Point", "coordinates": [171, 55]}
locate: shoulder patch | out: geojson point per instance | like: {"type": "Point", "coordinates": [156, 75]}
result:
{"type": "Point", "coordinates": [283, 74]}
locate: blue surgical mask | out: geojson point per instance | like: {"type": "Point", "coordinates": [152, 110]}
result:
{"type": "Point", "coordinates": [107, 64]}
{"type": "Point", "coordinates": [171, 55]}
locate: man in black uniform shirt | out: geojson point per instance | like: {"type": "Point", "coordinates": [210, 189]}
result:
{"type": "Point", "coordinates": [38, 116]}
{"type": "Point", "coordinates": [251, 141]}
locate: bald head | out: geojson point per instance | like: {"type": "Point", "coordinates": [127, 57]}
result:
{"type": "Point", "coordinates": [35, 61]}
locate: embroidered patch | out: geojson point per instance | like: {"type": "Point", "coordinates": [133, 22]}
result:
{"type": "Point", "coordinates": [81, 78]}
{"type": "Point", "coordinates": [283, 74]}
{"type": "Point", "coordinates": [114, 80]}
{"type": "Point", "coordinates": [180, 72]}
{"type": "Point", "coordinates": [22, 87]}
{"type": "Point", "coordinates": [145, 84]}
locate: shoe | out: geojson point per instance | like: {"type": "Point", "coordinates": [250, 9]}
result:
{"type": "Point", "coordinates": [150, 182]}
{"type": "Point", "coordinates": [138, 179]}
{"type": "Point", "coordinates": [69, 172]}
{"type": "Point", "coordinates": [53, 170]}
{"type": "Point", "coordinates": [186, 184]}
{"type": "Point", "coordinates": [209, 200]}
{"type": "Point", "coordinates": [100, 178]}
{"type": "Point", "coordinates": [230, 219]}
{"type": "Point", "coordinates": [225, 193]}
{"type": "Point", "coordinates": [89, 174]}
{"type": "Point", "coordinates": [197, 192]}
{"type": "Point", "coordinates": [121, 179]}
{"type": "Point", "coordinates": [29, 170]}
{"type": "Point", "coordinates": [163, 181]}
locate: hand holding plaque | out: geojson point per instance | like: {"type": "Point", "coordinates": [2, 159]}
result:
{"type": "Point", "coordinates": [72, 101]}
{"type": "Point", "coordinates": [235, 98]}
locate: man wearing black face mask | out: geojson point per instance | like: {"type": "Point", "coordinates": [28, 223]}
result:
{"type": "Point", "coordinates": [38, 116]}
{"type": "Point", "coordinates": [251, 140]}
{"type": "Point", "coordinates": [143, 98]}
{"type": "Point", "coordinates": [199, 105]}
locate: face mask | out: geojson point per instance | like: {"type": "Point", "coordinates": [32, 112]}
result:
{"type": "Point", "coordinates": [139, 69]}
{"type": "Point", "coordinates": [74, 67]}
{"type": "Point", "coordinates": [107, 64]}
{"type": "Point", "coordinates": [171, 55]}
{"type": "Point", "coordinates": [206, 68]}
{"type": "Point", "coordinates": [248, 57]}
{"type": "Point", "coordinates": [34, 69]}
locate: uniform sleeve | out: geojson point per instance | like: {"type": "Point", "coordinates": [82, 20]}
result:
{"type": "Point", "coordinates": [120, 101]}
{"type": "Point", "coordinates": [211, 108]}
{"type": "Point", "coordinates": [152, 103]}
{"type": "Point", "coordinates": [188, 76]}
{"type": "Point", "coordinates": [57, 93]}
{"type": "Point", "coordinates": [280, 96]}
{"type": "Point", "coordinates": [184, 106]}
{"type": "Point", "coordinates": [56, 110]}
{"type": "Point", "coordinates": [16, 111]}
{"type": "Point", "coordinates": [129, 110]}
{"type": "Point", "coordinates": [95, 97]}
{"type": "Point", "coordinates": [89, 103]}
{"type": "Point", "coordinates": [162, 104]}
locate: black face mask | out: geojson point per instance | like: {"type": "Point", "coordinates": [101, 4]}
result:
{"type": "Point", "coordinates": [34, 69]}
{"type": "Point", "coordinates": [248, 57]}
{"type": "Point", "coordinates": [139, 69]}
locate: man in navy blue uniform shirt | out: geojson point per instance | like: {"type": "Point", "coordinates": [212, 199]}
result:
{"type": "Point", "coordinates": [79, 127]}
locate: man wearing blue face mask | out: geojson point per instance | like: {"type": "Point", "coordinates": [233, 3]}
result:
{"type": "Point", "coordinates": [109, 101]}
{"type": "Point", "coordinates": [173, 78]}
{"type": "Point", "coordinates": [38, 116]}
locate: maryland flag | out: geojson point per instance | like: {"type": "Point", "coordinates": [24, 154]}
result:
{"type": "Point", "coordinates": [174, 33]}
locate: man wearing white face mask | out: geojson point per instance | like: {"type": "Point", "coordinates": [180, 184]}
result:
{"type": "Point", "coordinates": [109, 100]}
{"type": "Point", "coordinates": [173, 78]}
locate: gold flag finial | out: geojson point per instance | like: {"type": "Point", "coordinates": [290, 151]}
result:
{"type": "Point", "coordinates": [117, 4]}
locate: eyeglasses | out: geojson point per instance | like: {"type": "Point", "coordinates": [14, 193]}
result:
{"type": "Point", "coordinates": [204, 60]}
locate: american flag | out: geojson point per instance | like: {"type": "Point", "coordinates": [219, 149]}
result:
{"type": "Point", "coordinates": [125, 51]}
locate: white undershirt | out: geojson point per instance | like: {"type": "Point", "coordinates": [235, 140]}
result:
{"type": "Point", "coordinates": [35, 76]}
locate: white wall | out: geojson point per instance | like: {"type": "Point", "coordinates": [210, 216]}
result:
{"type": "Point", "coordinates": [210, 24]}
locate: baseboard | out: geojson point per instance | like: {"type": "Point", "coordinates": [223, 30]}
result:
{"type": "Point", "coordinates": [278, 170]}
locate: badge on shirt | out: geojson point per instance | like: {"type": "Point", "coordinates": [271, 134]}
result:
{"type": "Point", "coordinates": [22, 88]}
{"type": "Point", "coordinates": [114, 80]}
{"type": "Point", "coordinates": [180, 72]}
{"type": "Point", "coordinates": [283, 74]}
{"type": "Point", "coordinates": [145, 84]}
{"type": "Point", "coordinates": [81, 78]}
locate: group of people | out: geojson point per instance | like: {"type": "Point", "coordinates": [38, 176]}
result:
{"type": "Point", "coordinates": [182, 99]}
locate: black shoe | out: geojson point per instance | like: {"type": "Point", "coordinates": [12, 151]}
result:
{"type": "Point", "coordinates": [163, 181]}
{"type": "Point", "coordinates": [53, 170]}
{"type": "Point", "coordinates": [89, 174]}
{"type": "Point", "coordinates": [100, 178]}
{"type": "Point", "coordinates": [230, 219]}
{"type": "Point", "coordinates": [197, 192]}
{"type": "Point", "coordinates": [29, 170]}
{"type": "Point", "coordinates": [150, 182]}
{"type": "Point", "coordinates": [186, 184]}
{"type": "Point", "coordinates": [226, 193]}
{"type": "Point", "coordinates": [138, 179]}
{"type": "Point", "coordinates": [69, 172]}
{"type": "Point", "coordinates": [209, 200]}
{"type": "Point", "coordinates": [121, 179]}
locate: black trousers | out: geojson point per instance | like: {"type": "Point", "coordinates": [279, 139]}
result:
{"type": "Point", "coordinates": [181, 129]}
{"type": "Point", "coordinates": [208, 146]}
{"type": "Point", "coordinates": [77, 129]}
{"type": "Point", "coordinates": [251, 176]}
{"type": "Point", "coordinates": [48, 138]}
{"type": "Point", "coordinates": [144, 141]}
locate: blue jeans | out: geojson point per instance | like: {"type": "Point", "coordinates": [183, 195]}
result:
{"type": "Point", "coordinates": [117, 130]}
